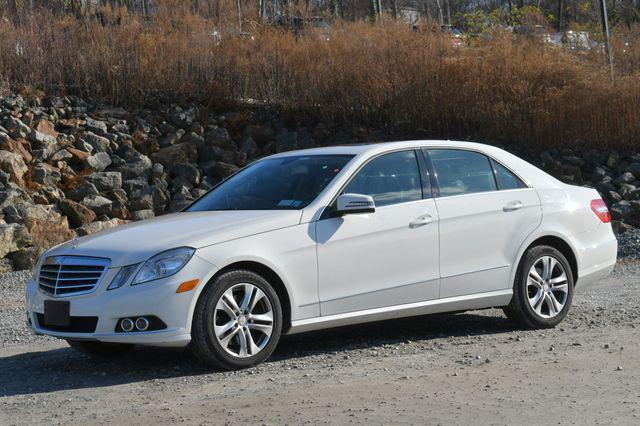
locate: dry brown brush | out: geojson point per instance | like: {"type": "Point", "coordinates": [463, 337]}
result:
{"type": "Point", "coordinates": [382, 76]}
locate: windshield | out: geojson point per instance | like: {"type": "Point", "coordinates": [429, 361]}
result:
{"type": "Point", "coordinates": [287, 183]}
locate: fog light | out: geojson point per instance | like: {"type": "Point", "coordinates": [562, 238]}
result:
{"type": "Point", "coordinates": [142, 324]}
{"type": "Point", "coordinates": [126, 324]}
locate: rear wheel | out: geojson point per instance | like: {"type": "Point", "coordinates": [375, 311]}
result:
{"type": "Point", "coordinates": [237, 321]}
{"type": "Point", "coordinates": [99, 349]}
{"type": "Point", "coordinates": [543, 289]}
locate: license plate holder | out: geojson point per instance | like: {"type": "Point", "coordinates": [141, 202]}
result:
{"type": "Point", "coordinates": [56, 312]}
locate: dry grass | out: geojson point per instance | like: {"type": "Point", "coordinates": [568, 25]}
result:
{"type": "Point", "coordinates": [382, 76]}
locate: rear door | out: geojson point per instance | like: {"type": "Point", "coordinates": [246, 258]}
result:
{"type": "Point", "coordinates": [486, 212]}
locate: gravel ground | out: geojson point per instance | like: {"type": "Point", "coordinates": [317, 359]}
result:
{"type": "Point", "coordinates": [629, 244]}
{"type": "Point", "coordinates": [454, 369]}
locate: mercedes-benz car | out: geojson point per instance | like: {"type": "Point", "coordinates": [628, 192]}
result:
{"type": "Point", "coordinates": [328, 237]}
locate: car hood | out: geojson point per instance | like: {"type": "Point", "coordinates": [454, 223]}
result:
{"type": "Point", "coordinates": [137, 241]}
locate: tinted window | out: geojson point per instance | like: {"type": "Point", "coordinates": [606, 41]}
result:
{"type": "Point", "coordinates": [506, 179]}
{"type": "Point", "coordinates": [390, 179]}
{"type": "Point", "coordinates": [286, 183]}
{"type": "Point", "coordinates": [462, 172]}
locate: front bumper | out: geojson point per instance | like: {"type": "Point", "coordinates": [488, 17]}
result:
{"type": "Point", "coordinates": [158, 298]}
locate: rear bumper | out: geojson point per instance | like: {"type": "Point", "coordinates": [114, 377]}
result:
{"type": "Point", "coordinates": [597, 254]}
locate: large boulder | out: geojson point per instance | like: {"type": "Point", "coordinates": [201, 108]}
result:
{"type": "Point", "coordinates": [97, 143]}
{"type": "Point", "coordinates": [187, 171]}
{"type": "Point", "coordinates": [151, 198]}
{"type": "Point", "coordinates": [16, 147]}
{"type": "Point", "coordinates": [83, 190]}
{"type": "Point", "coordinates": [142, 214]}
{"type": "Point", "coordinates": [98, 226]}
{"type": "Point", "coordinates": [171, 138]}
{"type": "Point", "coordinates": [99, 204]}
{"type": "Point", "coordinates": [105, 181]}
{"type": "Point", "coordinates": [14, 165]}
{"type": "Point", "coordinates": [24, 259]}
{"type": "Point", "coordinates": [45, 174]}
{"type": "Point", "coordinates": [96, 126]}
{"type": "Point", "coordinates": [179, 153]}
{"type": "Point", "coordinates": [46, 127]}
{"type": "Point", "coordinates": [16, 128]}
{"type": "Point", "coordinates": [13, 237]}
{"type": "Point", "coordinates": [98, 162]}
{"type": "Point", "coordinates": [48, 233]}
{"type": "Point", "coordinates": [139, 166]}
{"type": "Point", "coordinates": [78, 214]}
{"type": "Point", "coordinates": [224, 170]}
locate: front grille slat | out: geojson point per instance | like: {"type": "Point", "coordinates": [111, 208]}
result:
{"type": "Point", "coordinates": [62, 284]}
{"type": "Point", "coordinates": [71, 275]}
{"type": "Point", "coordinates": [79, 273]}
{"type": "Point", "coordinates": [78, 278]}
{"type": "Point", "coordinates": [49, 275]}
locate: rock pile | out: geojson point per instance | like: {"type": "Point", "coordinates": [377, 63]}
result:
{"type": "Point", "coordinates": [68, 167]}
{"type": "Point", "coordinates": [615, 175]}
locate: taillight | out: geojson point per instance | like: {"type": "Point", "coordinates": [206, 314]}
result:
{"type": "Point", "coordinates": [600, 209]}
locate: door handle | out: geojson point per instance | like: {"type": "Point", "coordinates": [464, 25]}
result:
{"type": "Point", "coordinates": [512, 206]}
{"type": "Point", "coordinates": [421, 221]}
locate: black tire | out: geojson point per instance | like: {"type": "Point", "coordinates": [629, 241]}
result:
{"type": "Point", "coordinates": [520, 309]}
{"type": "Point", "coordinates": [204, 343]}
{"type": "Point", "coordinates": [99, 349]}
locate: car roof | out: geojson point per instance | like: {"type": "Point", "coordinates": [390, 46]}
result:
{"type": "Point", "coordinates": [371, 148]}
{"type": "Point", "coordinates": [531, 174]}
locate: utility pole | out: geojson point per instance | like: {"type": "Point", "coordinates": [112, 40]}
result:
{"type": "Point", "coordinates": [239, 14]}
{"type": "Point", "coordinates": [605, 31]}
{"type": "Point", "coordinates": [560, 15]}
{"type": "Point", "coordinates": [448, 13]}
{"type": "Point", "coordinates": [440, 16]}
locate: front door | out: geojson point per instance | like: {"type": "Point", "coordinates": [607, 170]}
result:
{"type": "Point", "coordinates": [386, 258]}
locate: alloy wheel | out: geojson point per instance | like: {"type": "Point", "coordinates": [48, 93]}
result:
{"type": "Point", "coordinates": [547, 287]}
{"type": "Point", "coordinates": [243, 320]}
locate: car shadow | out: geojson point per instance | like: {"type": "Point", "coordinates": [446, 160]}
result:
{"type": "Point", "coordinates": [66, 369]}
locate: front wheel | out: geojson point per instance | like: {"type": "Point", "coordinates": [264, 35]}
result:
{"type": "Point", "coordinates": [543, 289]}
{"type": "Point", "coordinates": [237, 321]}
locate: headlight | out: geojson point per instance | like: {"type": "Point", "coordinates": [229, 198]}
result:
{"type": "Point", "coordinates": [122, 276]}
{"type": "Point", "coordinates": [164, 265]}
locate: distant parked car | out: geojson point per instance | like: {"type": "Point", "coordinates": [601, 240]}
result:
{"type": "Point", "coordinates": [536, 32]}
{"type": "Point", "coordinates": [578, 40]}
{"type": "Point", "coordinates": [327, 237]}
{"type": "Point", "coordinates": [455, 35]}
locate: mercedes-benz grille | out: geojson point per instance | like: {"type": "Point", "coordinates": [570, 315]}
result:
{"type": "Point", "coordinates": [71, 275]}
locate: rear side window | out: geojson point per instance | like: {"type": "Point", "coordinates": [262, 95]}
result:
{"type": "Point", "coordinates": [462, 172]}
{"type": "Point", "coordinates": [390, 179]}
{"type": "Point", "coordinates": [506, 179]}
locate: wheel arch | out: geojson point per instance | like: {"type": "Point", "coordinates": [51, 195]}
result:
{"type": "Point", "coordinates": [559, 244]}
{"type": "Point", "coordinates": [270, 275]}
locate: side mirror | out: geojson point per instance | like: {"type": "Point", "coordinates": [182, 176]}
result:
{"type": "Point", "coordinates": [355, 203]}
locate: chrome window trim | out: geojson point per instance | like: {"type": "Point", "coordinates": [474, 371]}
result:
{"type": "Point", "coordinates": [490, 158]}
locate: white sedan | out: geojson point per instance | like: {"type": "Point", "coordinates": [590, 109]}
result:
{"type": "Point", "coordinates": [327, 237]}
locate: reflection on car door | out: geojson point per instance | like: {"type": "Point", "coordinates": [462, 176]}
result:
{"type": "Point", "coordinates": [486, 212]}
{"type": "Point", "coordinates": [388, 257]}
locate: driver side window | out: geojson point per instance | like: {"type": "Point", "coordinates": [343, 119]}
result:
{"type": "Point", "coordinates": [390, 179]}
